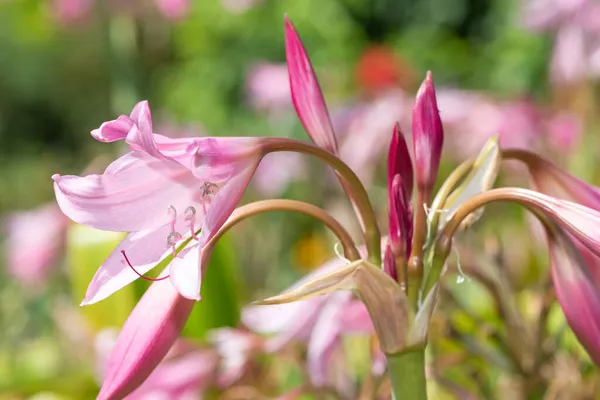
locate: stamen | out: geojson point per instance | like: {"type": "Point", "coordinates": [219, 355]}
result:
{"type": "Point", "coordinates": [190, 216]}
{"type": "Point", "coordinates": [140, 275]}
{"type": "Point", "coordinates": [209, 191]}
{"type": "Point", "coordinates": [172, 240]}
{"type": "Point", "coordinates": [173, 211]}
{"type": "Point", "coordinates": [338, 253]}
{"type": "Point", "coordinates": [462, 276]}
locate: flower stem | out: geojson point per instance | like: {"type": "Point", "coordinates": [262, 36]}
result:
{"type": "Point", "coordinates": [301, 207]}
{"type": "Point", "coordinates": [407, 375]}
{"type": "Point", "coordinates": [353, 187]}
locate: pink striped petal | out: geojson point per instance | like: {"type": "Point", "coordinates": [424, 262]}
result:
{"type": "Point", "coordinates": [133, 194]}
{"type": "Point", "coordinates": [576, 292]}
{"type": "Point", "coordinates": [326, 334]}
{"type": "Point", "coordinates": [114, 130]}
{"type": "Point", "coordinates": [306, 93]}
{"type": "Point", "coordinates": [148, 334]}
{"type": "Point", "coordinates": [399, 162]}
{"type": "Point", "coordinates": [144, 249]}
{"type": "Point", "coordinates": [185, 271]}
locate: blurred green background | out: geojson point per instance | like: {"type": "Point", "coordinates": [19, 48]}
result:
{"type": "Point", "coordinates": [218, 68]}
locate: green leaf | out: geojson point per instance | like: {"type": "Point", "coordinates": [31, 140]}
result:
{"type": "Point", "coordinates": [87, 248]}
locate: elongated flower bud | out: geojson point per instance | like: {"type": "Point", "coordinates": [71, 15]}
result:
{"type": "Point", "coordinates": [306, 93]}
{"type": "Point", "coordinates": [399, 162]}
{"type": "Point", "coordinates": [428, 135]}
{"type": "Point", "coordinates": [145, 339]}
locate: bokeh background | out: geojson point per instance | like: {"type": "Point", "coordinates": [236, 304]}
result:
{"type": "Point", "coordinates": [525, 70]}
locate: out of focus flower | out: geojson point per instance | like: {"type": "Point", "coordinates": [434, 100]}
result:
{"type": "Point", "coordinates": [235, 348]}
{"type": "Point", "coordinates": [34, 240]}
{"type": "Point", "coordinates": [71, 11]}
{"type": "Point", "coordinates": [576, 24]}
{"type": "Point", "coordinates": [322, 322]}
{"type": "Point", "coordinates": [268, 87]}
{"type": "Point", "coordinates": [378, 68]}
{"type": "Point", "coordinates": [518, 123]}
{"type": "Point", "coordinates": [182, 185]}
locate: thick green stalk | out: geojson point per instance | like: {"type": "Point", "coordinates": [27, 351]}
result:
{"type": "Point", "coordinates": [407, 375]}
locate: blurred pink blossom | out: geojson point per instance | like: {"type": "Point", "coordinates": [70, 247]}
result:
{"type": "Point", "coordinates": [276, 171]}
{"type": "Point", "coordinates": [268, 87]}
{"type": "Point", "coordinates": [576, 24]}
{"type": "Point", "coordinates": [235, 347]}
{"type": "Point", "coordinates": [34, 239]}
{"type": "Point", "coordinates": [321, 321]}
{"type": "Point", "coordinates": [68, 12]}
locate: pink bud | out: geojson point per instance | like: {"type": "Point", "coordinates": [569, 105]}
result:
{"type": "Point", "coordinates": [399, 162]}
{"type": "Point", "coordinates": [428, 135]}
{"type": "Point", "coordinates": [306, 93]}
{"type": "Point", "coordinates": [401, 219]}
{"type": "Point", "coordinates": [148, 334]}
{"type": "Point", "coordinates": [389, 263]}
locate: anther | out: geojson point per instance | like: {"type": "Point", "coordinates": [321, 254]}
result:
{"type": "Point", "coordinates": [172, 240]}
{"type": "Point", "coordinates": [190, 217]}
{"type": "Point", "coordinates": [140, 275]}
{"type": "Point", "coordinates": [209, 191]}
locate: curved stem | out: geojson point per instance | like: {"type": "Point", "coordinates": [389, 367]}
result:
{"type": "Point", "coordinates": [444, 239]}
{"type": "Point", "coordinates": [259, 207]}
{"type": "Point", "coordinates": [447, 187]}
{"type": "Point", "coordinates": [354, 188]}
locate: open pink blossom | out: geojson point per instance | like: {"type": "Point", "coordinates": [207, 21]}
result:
{"type": "Point", "coordinates": [163, 192]}
{"type": "Point", "coordinates": [34, 239]}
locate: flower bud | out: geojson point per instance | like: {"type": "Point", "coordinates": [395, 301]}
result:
{"type": "Point", "coordinates": [428, 135]}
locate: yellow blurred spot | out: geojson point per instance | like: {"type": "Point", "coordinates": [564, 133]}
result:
{"type": "Point", "coordinates": [311, 251]}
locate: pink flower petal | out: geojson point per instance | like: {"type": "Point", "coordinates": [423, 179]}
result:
{"type": "Point", "coordinates": [224, 203]}
{"type": "Point", "coordinates": [576, 292]}
{"type": "Point", "coordinates": [114, 130]}
{"type": "Point", "coordinates": [134, 194]}
{"type": "Point", "coordinates": [325, 336]}
{"type": "Point", "coordinates": [144, 249]}
{"type": "Point", "coordinates": [173, 9]}
{"type": "Point", "coordinates": [306, 92]}
{"type": "Point", "coordinates": [185, 271]}
{"type": "Point", "coordinates": [356, 319]}
{"type": "Point", "coordinates": [148, 334]}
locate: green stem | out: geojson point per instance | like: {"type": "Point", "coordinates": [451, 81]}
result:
{"type": "Point", "coordinates": [407, 375]}
{"type": "Point", "coordinates": [353, 187]}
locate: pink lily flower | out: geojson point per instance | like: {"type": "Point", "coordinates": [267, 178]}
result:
{"type": "Point", "coordinates": [34, 240]}
{"type": "Point", "coordinates": [181, 185]}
